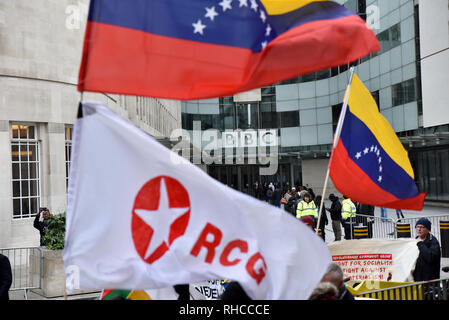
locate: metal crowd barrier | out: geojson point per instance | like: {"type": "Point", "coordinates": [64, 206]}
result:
{"type": "Point", "coordinates": [377, 227]}
{"type": "Point", "coordinates": [389, 228]}
{"type": "Point", "coordinates": [426, 290]}
{"type": "Point", "coordinates": [435, 220]}
{"type": "Point", "coordinates": [26, 267]}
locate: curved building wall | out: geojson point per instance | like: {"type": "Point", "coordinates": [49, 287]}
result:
{"type": "Point", "coordinates": [306, 109]}
{"type": "Point", "coordinates": [40, 51]}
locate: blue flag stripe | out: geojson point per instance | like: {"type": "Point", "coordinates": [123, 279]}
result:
{"type": "Point", "coordinates": [365, 150]}
{"type": "Point", "coordinates": [241, 27]}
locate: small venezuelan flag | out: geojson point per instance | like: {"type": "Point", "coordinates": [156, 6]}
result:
{"type": "Point", "coordinates": [194, 49]}
{"type": "Point", "coordinates": [369, 163]}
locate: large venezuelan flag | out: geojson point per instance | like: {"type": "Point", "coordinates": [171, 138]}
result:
{"type": "Point", "coordinates": [193, 49]}
{"type": "Point", "coordinates": [369, 163]}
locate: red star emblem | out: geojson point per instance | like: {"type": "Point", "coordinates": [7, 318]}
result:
{"type": "Point", "coordinates": [160, 215]}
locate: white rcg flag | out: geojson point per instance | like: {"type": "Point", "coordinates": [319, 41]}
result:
{"type": "Point", "coordinates": [138, 220]}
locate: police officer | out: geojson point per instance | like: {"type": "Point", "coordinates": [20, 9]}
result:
{"type": "Point", "coordinates": [306, 208]}
{"type": "Point", "coordinates": [348, 211]}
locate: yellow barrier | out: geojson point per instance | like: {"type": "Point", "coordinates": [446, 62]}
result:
{"type": "Point", "coordinates": [387, 290]}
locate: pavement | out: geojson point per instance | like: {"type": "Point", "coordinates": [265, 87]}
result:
{"type": "Point", "coordinates": [428, 211]}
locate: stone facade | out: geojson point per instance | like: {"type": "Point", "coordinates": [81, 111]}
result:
{"type": "Point", "coordinates": [40, 52]}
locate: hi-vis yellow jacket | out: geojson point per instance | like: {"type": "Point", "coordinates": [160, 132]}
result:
{"type": "Point", "coordinates": [347, 209]}
{"type": "Point", "coordinates": [306, 209]}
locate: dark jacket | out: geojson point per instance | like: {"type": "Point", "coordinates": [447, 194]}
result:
{"type": "Point", "coordinates": [365, 209]}
{"type": "Point", "coordinates": [345, 294]}
{"type": "Point", "coordinates": [5, 277]}
{"type": "Point", "coordinates": [41, 226]}
{"type": "Point", "coordinates": [335, 210]}
{"type": "Point", "coordinates": [429, 260]}
{"type": "Point", "coordinates": [290, 204]}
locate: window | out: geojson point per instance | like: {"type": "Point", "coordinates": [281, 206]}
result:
{"type": "Point", "coordinates": [375, 95]}
{"type": "Point", "coordinates": [68, 152]}
{"type": "Point", "coordinates": [403, 92]}
{"type": "Point", "coordinates": [336, 110]}
{"type": "Point", "coordinates": [289, 119]}
{"type": "Point", "coordinates": [247, 115]}
{"type": "Point", "coordinates": [390, 38]}
{"type": "Point", "coordinates": [25, 171]}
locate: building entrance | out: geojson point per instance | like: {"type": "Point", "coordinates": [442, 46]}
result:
{"type": "Point", "coordinates": [243, 177]}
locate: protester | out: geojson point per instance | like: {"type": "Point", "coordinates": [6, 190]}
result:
{"type": "Point", "coordinates": [287, 195]}
{"type": "Point", "coordinates": [5, 277]}
{"type": "Point", "coordinates": [312, 194]}
{"type": "Point", "coordinates": [308, 220]}
{"type": "Point", "coordinates": [334, 274]}
{"type": "Point", "coordinates": [323, 220]}
{"type": "Point", "coordinates": [42, 225]}
{"type": "Point", "coordinates": [302, 191]}
{"type": "Point", "coordinates": [335, 212]}
{"type": "Point", "coordinates": [269, 193]}
{"type": "Point", "coordinates": [306, 207]}
{"type": "Point", "coordinates": [324, 291]}
{"type": "Point", "coordinates": [277, 195]}
{"type": "Point", "coordinates": [429, 259]}
{"type": "Point", "coordinates": [348, 211]}
{"type": "Point", "coordinates": [292, 203]}
{"type": "Point", "coordinates": [367, 211]}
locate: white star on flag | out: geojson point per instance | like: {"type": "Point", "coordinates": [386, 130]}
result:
{"type": "Point", "coordinates": [264, 44]}
{"type": "Point", "coordinates": [198, 27]}
{"type": "Point", "coordinates": [160, 219]}
{"type": "Point", "coordinates": [372, 148]}
{"type": "Point", "coordinates": [211, 13]}
{"type": "Point", "coordinates": [254, 5]}
{"type": "Point", "coordinates": [358, 155]}
{"type": "Point", "coordinates": [226, 4]}
{"type": "Point", "coordinates": [267, 30]}
{"type": "Point", "coordinates": [378, 152]}
{"type": "Point", "coordinates": [380, 168]}
{"type": "Point", "coordinates": [263, 16]}
{"type": "Point", "coordinates": [365, 151]}
{"type": "Point", "coordinates": [380, 179]}
{"type": "Point", "coordinates": [380, 159]}
{"type": "Point", "coordinates": [243, 3]}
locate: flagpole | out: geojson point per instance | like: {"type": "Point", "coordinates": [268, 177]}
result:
{"type": "Point", "coordinates": [334, 144]}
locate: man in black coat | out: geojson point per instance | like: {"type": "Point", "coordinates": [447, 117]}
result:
{"type": "Point", "coordinates": [429, 260]}
{"type": "Point", "coordinates": [42, 225]}
{"type": "Point", "coordinates": [335, 212]}
{"type": "Point", "coordinates": [5, 277]}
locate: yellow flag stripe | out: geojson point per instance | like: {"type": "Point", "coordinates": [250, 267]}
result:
{"type": "Point", "coordinates": [363, 106]}
{"type": "Point", "coordinates": [283, 6]}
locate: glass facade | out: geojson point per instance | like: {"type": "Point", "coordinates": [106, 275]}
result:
{"type": "Point", "coordinates": [305, 109]}
{"type": "Point", "coordinates": [431, 166]}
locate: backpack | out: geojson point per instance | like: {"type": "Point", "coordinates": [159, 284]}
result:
{"type": "Point", "coordinates": [269, 193]}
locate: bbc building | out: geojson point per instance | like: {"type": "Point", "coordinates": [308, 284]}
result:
{"type": "Point", "coordinates": [408, 78]}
